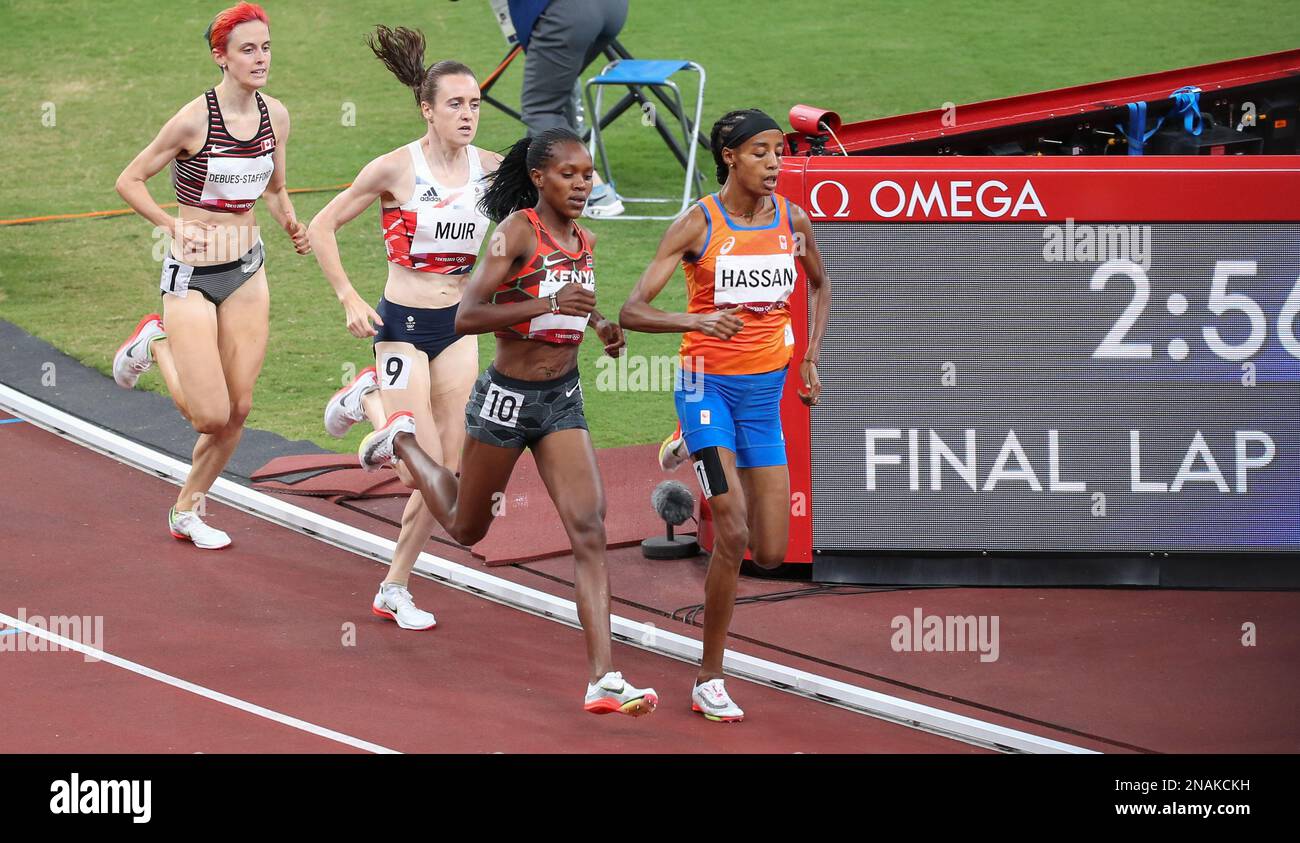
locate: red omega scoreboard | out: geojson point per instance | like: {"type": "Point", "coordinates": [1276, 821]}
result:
{"type": "Point", "coordinates": [1053, 369]}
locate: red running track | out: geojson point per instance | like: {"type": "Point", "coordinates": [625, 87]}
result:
{"type": "Point", "coordinates": [264, 621]}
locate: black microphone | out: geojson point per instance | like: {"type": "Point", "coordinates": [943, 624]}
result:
{"type": "Point", "coordinates": [674, 503]}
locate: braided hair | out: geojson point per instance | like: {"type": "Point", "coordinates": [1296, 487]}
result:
{"type": "Point", "coordinates": [510, 187]}
{"type": "Point", "coordinates": [721, 131]}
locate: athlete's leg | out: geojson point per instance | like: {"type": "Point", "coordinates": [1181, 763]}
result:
{"type": "Point", "coordinates": [243, 323]}
{"type": "Point", "coordinates": [374, 407]}
{"type": "Point", "coordinates": [730, 538]}
{"type": "Point", "coordinates": [767, 496]}
{"type": "Point", "coordinates": [162, 355]}
{"type": "Point", "coordinates": [465, 507]}
{"type": "Point", "coordinates": [566, 462]}
{"type": "Point", "coordinates": [409, 394]}
{"type": "Point", "coordinates": [190, 362]}
{"type": "Point", "coordinates": [760, 458]}
{"type": "Point", "coordinates": [451, 378]}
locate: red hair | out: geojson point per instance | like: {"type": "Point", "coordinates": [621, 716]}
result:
{"type": "Point", "coordinates": [218, 33]}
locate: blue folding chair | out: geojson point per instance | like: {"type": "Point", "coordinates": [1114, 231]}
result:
{"type": "Point", "coordinates": [635, 74]}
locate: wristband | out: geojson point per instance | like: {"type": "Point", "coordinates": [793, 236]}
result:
{"type": "Point", "coordinates": [555, 304]}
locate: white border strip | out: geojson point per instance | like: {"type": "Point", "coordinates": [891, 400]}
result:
{"type": "Point", "coordinates": [206, 693]}
{"type": "Point", "coordinates": [644, 635]}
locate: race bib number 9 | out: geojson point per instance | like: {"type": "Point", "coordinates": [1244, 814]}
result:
{"type": "Point", "coordinates": [395, 371]}
{"type": "Point", "coordinates": [175, 277]}
{"type": "Point", "coordinates": [502, 406]}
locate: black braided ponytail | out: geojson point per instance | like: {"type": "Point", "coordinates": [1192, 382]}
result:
{"type": "Point", "coordinates": [511, 188]}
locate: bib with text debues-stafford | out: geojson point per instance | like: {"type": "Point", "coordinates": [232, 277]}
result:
{"type": "Point", "coordinates": [439, 229]}
{"type": "Point", "coordinates": [228, 174]}
{"type": "Point", "coordinates": [236, 182]}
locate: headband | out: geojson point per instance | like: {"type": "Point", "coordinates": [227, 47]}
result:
{"type": "Point", "coordinates": [753, 123]}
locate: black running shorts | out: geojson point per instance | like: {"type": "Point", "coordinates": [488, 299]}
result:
{"type": "Point", "coordinates": [512, 413]}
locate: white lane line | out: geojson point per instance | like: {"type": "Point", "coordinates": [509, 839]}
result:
{"type": "Point", "coordinates": [185, 685]}
{"type": "Point", "coordinates": [646, 636]}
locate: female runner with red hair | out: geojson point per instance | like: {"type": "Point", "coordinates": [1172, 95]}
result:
{"type": "Point", "coordinates": [227, 149]}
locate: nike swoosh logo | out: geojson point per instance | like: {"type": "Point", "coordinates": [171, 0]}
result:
{"type": "Point", "coordinates": [546, 261]}
{"type": "Point", "coordinates": [221, 150]}
{"type": "Point", "coordinates": [570, 392]}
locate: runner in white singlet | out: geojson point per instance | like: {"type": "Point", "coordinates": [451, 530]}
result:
{"type": "Point", "coordinates": [428, 192]}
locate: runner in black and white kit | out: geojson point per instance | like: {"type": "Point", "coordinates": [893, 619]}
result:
{"type": "Point", "coordinates": [228, 149]}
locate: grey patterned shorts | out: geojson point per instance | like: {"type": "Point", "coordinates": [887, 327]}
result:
{"type": "Point", "coordinates": [511, 413]}
{"type": "Point", "coordinates": [219, 282]}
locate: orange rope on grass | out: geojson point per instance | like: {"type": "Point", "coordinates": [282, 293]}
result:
{"type": "Point", "coordinates": [119, 211]}
{"type": "Point", "coordinates": [492, 77]}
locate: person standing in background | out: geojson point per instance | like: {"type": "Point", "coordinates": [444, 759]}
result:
{"type": "Point", "coordinates": [560, 38]}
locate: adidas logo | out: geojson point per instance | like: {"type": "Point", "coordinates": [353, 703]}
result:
{"type": "Point", "coordinates": [430, 195]}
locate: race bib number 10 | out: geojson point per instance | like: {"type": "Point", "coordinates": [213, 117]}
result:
{"type": "Point", "coordinates": [502, 406]}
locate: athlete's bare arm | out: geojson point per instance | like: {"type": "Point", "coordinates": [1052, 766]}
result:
{"type": "Point", "coordinates": [181, 137]}
{"type": "Point", "coordinates": [277, 191]}
{"type": "Point", "coordinates": [375, 181]}
{"type": "Point", "coordinates": [820, 284]}
{"type": "Point", "coordinates": [510, 246]}
{"type": "Point", "coordinates": [610, 333]}
{"type": "Point", "coordinates": [686, 235]}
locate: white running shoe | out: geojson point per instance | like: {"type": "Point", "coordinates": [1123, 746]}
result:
{"type": "Point", "coordinates": [133, 357]}
{"type": "Point", "coordinates": [611, 694]}
{"type": "Point", "coordinates": [711, 699]}
{"type": "Point", "coordinates": [395, 603]}
{"type": "Point", "coordinates": [186, 526]}
{"type": "Point", "coordinates": [672, 452]}
{"type": "Point", "coordinates": [603, 202]}
{"type": "Point", "coordinates": [345, 408]}
{"type": "Point", "coordinates": [376, 449]}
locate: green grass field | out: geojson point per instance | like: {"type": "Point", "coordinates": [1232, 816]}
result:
{"type": "Point", "coordinates": [111, 74]}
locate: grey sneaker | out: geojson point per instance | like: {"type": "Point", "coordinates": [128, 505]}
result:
{"type": "Point", "coordinates": [603, 202]}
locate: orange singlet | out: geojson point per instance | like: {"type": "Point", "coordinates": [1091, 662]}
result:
{"type": "Point", "coordinates": [753, 267]}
